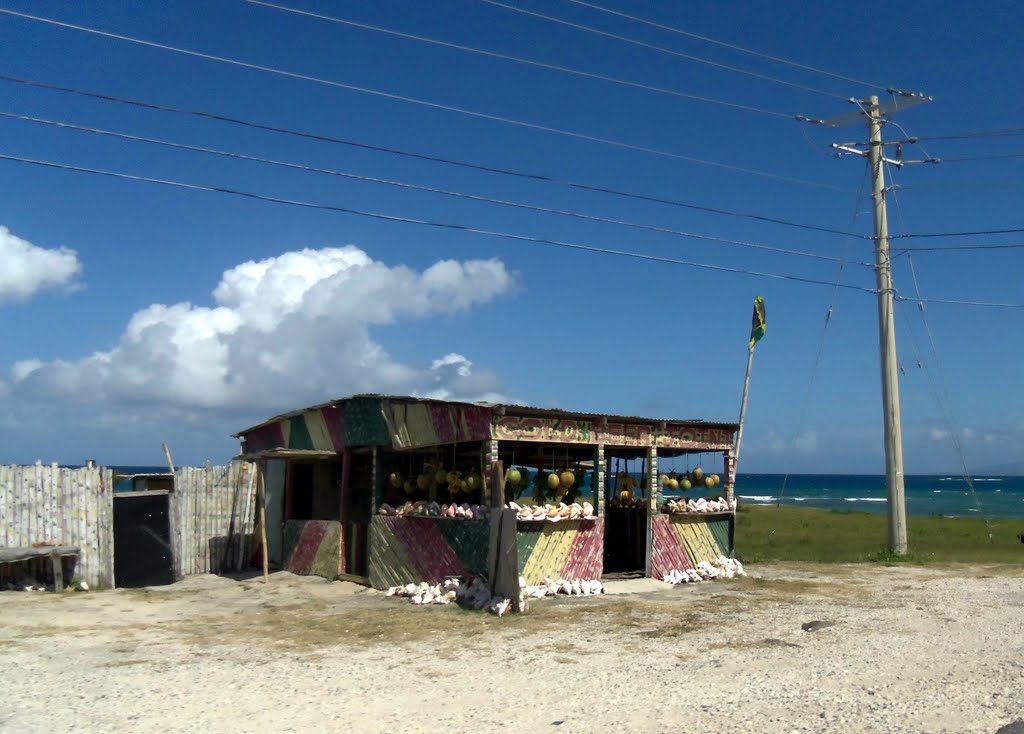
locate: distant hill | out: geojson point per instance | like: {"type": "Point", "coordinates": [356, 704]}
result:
{"type": "Point", "coordinates": [1012, 468]}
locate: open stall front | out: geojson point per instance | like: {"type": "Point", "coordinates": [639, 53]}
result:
{"type": "Point", "coordinates": [401, 490]}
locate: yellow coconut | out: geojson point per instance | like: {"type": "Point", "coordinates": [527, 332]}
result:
{"type": "Point", "coordinates": [396, 479]}
{"type": "Point", "coordinates": [566, 479]}
{"type": "Point", "coordinates": [673, 484]}
{"type": "Point", "coordinates": [716, 479]}
{"type": "Point", "coordinates": [698, 473]}
{"type": "Point", "coordinates": [553, 481]}
{"type": "Point", "coordinates": [709, 482]}
{"type": "Point", "coordinates": [664, 478]}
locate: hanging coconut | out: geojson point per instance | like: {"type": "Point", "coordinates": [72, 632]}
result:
{"type": "Point", "coordinates": [716, 479]}
{"type": "Point", "coordinates": [664, 479]}
{"type": "Point", "coordinates": [698, 473]}
{"type": "Point", "coordinates": [709, 482]}
{"type": "Point", "coordinates": [686, 485]}
{"type": "Point", "coordinates": [553, 481]}
{"type": "Point", "coordinates": [514, 477]}
{"type": "Point", "coordinates": [673, 484]}
{"type": "Point", "coordinates": [473, 482]}
{"type": "Point", "coordinates": [423, 482]}
{"type": "Point", "coordinates": [407, 486]}
{"type": "Point", "coordinates": [396, 479]}
{"type": "Point", "coordinates": [441, 477]}
{"type": "Point", "coordinates": [566, 479]}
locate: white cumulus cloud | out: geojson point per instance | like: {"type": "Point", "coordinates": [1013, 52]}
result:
{"type": "Point", "coordinates": [280, 333]}
{"type": "Point", "coordinates": [26, 269]}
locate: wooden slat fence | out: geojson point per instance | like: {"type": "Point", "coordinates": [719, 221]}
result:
{"type": "Point", "coordinates": [212, 513]}
{"type": "Point", "coordinates": [52, 505]}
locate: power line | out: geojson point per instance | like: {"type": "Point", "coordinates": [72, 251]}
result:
{"type": "Point", "coordinates": [996, 133]}
{"type": "Point", "coordinates": [442, 225]}
{"type": "Point", "coordinates": [422, 102]}
{"type": "Point", "coordinates": [724, 44]}
{"type": "Point", "coordinates": [955, 302]}
{"type": "Point", "coordinates": [992, 157]}
{"type": "Point", "coordinates": [428, 189]}
{"type": "Point", "coordinates": [520, 59]}
{"type": "Point", "coordinates": [661, 49]}
{"type": "Point", "coordinates": [421, 156]}
{"type": "Point", "coordinates": [1014, 230]}
{"type": "Point", "coordinates": [963, 248]}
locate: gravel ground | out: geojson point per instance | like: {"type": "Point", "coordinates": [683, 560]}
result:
{"type": "Point", "coordinates": [898, 649]}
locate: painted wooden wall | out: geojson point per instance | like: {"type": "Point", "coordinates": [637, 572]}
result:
{"type": "Point", "coordinates": [570, 549]}
{"type": "Point", "coordinates": [212, 512]}
{"type": "Point", "coordinates": [408, 550]}
{"type": "Point", "coordinates": [314, 548]}
{"type": "Point", "coordinates": [681, 541]}
{"type": "Point", "coordinates": [55, 506]}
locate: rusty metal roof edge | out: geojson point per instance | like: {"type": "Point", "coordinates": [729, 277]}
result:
{"type": "Point", "coordinates": [507, 408]}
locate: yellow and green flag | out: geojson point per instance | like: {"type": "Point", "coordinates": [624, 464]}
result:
{"type": "Point", "coordinates": [758, 323]}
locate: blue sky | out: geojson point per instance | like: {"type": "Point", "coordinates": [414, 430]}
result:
{"type": "Point", "coordinates": [132, 313]}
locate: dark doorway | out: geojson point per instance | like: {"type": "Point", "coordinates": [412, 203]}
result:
{"type": "Point", "coordinates": [142, 540]}
{"type": "Point", "coordinates": [625, 540]}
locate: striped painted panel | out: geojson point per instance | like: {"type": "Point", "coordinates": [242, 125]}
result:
{"type": "Point", "coordinates": [313, 548]}
{"type": "Point", "coordinates": [683, 541]}
{"type": "Point", "coordinates": [408, 550]}
{"type": "Point", "coordinates": [570, 549]}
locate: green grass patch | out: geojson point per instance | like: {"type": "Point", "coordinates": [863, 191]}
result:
{"type": "Point", "coordinates": [767, 533]}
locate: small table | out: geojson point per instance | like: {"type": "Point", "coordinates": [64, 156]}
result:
{"type": "Point", "coordinates": [55, 553]}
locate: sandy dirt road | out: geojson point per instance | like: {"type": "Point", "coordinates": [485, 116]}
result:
{"type": "Point", "coordinates": [905, 650]}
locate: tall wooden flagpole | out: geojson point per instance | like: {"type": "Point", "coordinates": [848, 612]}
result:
{"type": "Point", "coordinates": [757, 329]}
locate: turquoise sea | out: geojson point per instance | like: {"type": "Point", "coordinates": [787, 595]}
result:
{"type": "Point", "coordinates": [942, 494]}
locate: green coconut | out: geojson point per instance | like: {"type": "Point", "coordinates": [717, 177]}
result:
{"type": "Point", "coordinates": [553, 481]}
{"type": "Point", "coordinates": [514, 477]}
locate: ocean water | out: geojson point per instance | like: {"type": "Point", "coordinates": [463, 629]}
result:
{"type": "Point", "coordinates": [944, 494]}
{"type": "Point", "coordinates": [941, 494]}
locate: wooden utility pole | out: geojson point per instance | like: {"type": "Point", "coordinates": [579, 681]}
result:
{"type": "Point", "coordinates": [875, 154]}
{"type": "Point", "coordinates": [887, 339]}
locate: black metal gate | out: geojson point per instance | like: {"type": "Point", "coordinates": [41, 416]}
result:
{"type": "Point", "coordinates": [142, 540]}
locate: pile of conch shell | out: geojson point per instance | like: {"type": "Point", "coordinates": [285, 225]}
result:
{"type": "Point", "coordinates": [432, 509]}
{"type": "Point", "coordinates": [700, 505]}
{"type": "Point", "coordinates": [553, 513]}
{"type": "Point", "coordinates": [474, 594]}
{"type": "Point", "coordinates": [552, 587]}
{"type": "Point", "coordinates": [705, 571]}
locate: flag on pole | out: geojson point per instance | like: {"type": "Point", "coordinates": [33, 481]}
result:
{"type": "Point", "coordinates": [758, 323]}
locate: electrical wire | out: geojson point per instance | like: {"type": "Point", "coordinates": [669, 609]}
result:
{"type": "Point", "coordinates": [992, 157]}
{"type": "Point", "coordinates": [962, 248]}
{"type": "Point", "coordinates": [421, 156]}
{"type": "Point", "coordinates": [418, 187]}
{"type": "Point", "coordinates": [417, 101]}
{"type": "Point", "coordinates": [919, 235]}
{"type": "Point", "coordinates": [661, 49]}
{"type": "Point", "coordinates": [725, 44]}
{"type": "Point", "coordinates": [997, 133]}
{"type": "Point", "coordinates": [581, 247]}
{"type": "Point", "coordinates": [520, 59]}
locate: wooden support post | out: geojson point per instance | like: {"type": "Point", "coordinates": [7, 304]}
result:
{"type": "Point", "coordinates": [58, 571]}
{"type": "Point", "coordinates": [167, 454]}
{"type": "Point", "coordinates": [600, 480]}
{"type": "Point", "coordinates": [262, 496]}
{"type": "Point", "coordinates": [377, 480]}
{"type": "Point", "coordinates": [651, 482]}
{"type": "Point", "coordinates": [497, 491]}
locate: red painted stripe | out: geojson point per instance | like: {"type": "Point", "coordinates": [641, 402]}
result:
{"type": "Point", "coordinates": [585, 559]}
{"type": "Point", "coordinates": [667, 552]}
{"type": "Point", "coordinates": [301, 559]}
{"type": "Point", "coordinates": [335, 421]}
{"type": "Point", "coordinates": [428, 549]}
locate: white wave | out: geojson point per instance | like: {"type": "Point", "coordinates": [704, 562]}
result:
{"type": "Point", "coordinates": [864, 499]}
{"type": "Point", "coordinates": [987, 479]}
{"type": "Point", "coordinates": [799, 499]}
{"type": "Point", "coordinates": [757, 497]}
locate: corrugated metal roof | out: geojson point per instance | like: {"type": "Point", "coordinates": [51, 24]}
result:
{"type": "Point", "coordinates": [507, 409]}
